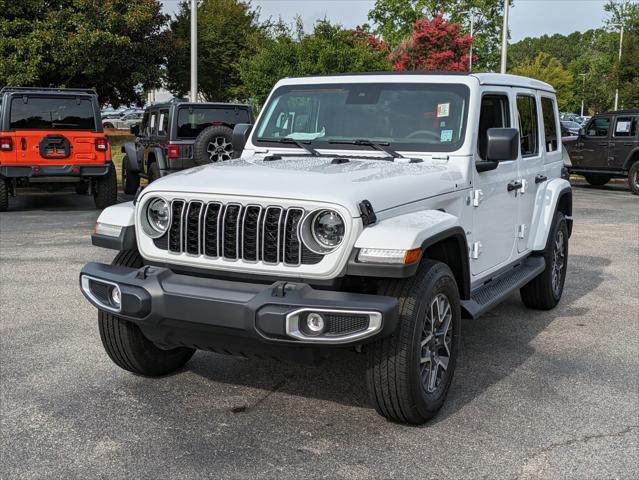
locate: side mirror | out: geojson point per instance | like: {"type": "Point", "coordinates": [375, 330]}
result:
{"type": "Point", "coordinates": [502, 144]}
{"type": "Point", "coordinates": [135, 130]}
{"type": "Point", "coordinates": [241, 134]}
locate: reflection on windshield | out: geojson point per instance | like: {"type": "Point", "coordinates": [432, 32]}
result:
{"type": "Point", "coordinates": [412, 117]}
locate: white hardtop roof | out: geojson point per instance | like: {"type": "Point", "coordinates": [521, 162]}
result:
{"type": "Point", "coordinates": [424, 77]}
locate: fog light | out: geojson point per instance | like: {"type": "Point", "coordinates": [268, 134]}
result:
{"type": "Point", "coordinates": [315, 323]}
{"type": "Point", "coordinates": [116, 298]}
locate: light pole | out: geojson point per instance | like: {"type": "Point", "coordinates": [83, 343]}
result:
{"type": "Point", "coordinates": [620, 25]}
{"type": "Point", "coordinates": [193, 51]}
{"type": "Point", "coordinates": [504, 38]}
{"type": "Point", "coordinates": [583, 86]}
{"type": "Point", "coordinates": [472, 33]}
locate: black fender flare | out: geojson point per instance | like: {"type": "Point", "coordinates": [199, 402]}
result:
{"type": "Point", "coordinates": [158, 154]}
{"type": "Point", "coordinates": [135, 156]}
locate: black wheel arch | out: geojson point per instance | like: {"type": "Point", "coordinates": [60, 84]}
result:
{"type": "Point", "coordinates": [632, 158]}
{"type": "Point", "coordinates": [156, 155]}
{"type": "Point", "coordinates": [564, 205]}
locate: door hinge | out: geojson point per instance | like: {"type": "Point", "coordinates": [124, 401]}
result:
{"type": "Point", "coordinates": [478, 196]}
{"type": "Point", "coordinates": [475, 250]}
{"type": "Point", "coordinates": [521, 231]}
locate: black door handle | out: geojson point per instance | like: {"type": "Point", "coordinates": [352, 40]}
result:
{"type": "Point", "coordinates": [541, 178]}
{"type": "Point", "coordinates": [23, 143]}
{"type": "Point", "coordinates": [514, 185]}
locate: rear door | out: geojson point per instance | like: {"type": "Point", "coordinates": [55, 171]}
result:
{"type": "Point", "coordinates": [54, 130]}
{"type": "Point", "coordinates": [625, 139]}
{"type": "Point", "coordinates": [591, 149]}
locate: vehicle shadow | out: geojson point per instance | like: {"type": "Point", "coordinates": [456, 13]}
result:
{"type": "Point", "coordinates": [492, 348]}
{"type": "Point", "coordinates": [63, 201]}
{"type": "Point", "coordinates": [618, 186]}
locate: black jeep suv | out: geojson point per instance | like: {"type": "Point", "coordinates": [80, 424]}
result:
{"type": "Point", "coordinates": [178, 135]}
{"type": "Point", "coordinates": [608, 147]}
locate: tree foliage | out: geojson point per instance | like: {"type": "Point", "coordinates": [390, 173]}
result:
{"type": "Point", "coordinates": [292, 52]}
{"type": "Point", "coordinates": [393, 21]}
{"type": "Point", "coordinates": [434, 45]}
{"type": "Point", "coordinates": [111, 46]}
{"type": "Point", "coordinates": [550, 70]}
{"type": "Point", "coordinates": [227, 30]}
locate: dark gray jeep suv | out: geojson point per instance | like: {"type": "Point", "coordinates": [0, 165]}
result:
{"type": "Point", "coordinates": [608, 147]}
{"type": "Point", "coordinates": [178, 135]}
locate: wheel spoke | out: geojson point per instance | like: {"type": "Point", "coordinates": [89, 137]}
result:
{"type": "Point", "coordinates": [432, 378]}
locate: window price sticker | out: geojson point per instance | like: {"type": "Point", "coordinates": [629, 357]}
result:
{"type": "Point", "coordinates": [443, 109]}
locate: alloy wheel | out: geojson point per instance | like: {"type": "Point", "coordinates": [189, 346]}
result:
{"type": "Point", "coordinates": [436, 341]}
{"type": "Point", "coordinates": [219, 150]}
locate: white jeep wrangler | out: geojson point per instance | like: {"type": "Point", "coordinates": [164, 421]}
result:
{"type": "Point", "coordinates": [370, 212]}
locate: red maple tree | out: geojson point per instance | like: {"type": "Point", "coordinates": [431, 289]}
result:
{"type": "Point", "coordinates": [434, 45]}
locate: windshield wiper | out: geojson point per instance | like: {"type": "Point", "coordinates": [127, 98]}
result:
{"type": "Point", "coordinates": [292, 141]}
{"type": "Point", "coordinates": [381, 146]}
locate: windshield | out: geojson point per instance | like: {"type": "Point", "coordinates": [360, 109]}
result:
{"type": "Point", "coordinates": [52, 113]}
{"type": "Point", "coordinates": [409, 117]}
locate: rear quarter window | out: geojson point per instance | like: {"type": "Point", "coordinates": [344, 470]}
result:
{"type": "Point", "coordinates": [191, 121]}
{"type": "Point", "coordinates": [51, 113]}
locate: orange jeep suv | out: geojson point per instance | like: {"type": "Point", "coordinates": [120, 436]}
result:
{"type": "Point", "coordinates": [53, 138]}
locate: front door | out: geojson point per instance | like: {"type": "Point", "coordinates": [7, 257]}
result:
{"type": "Point", "coordinates": [625, 138]}
{"type": "Point", "coordinates": [495, 208]}
{"type": "Point", "coordinates": [591, 149]}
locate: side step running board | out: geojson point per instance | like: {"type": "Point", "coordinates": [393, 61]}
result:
{"type": "Point", "coordinates": [497, 290]}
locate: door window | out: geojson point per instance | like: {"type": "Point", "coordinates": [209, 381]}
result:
{"type": "Point", "coordinates": [494, 114]}
{"type": "Point", "coordinates": [152, 124]}
{"type": "Point", "coordinates": [163, 122]}
{"type": "Point", "coordinates": [550, 124]}
{"type": "Point", "coordinates": [626, 127]}
{"type": "Point", "coordinates": [528, 127]}
{"type": "Point", "coordinates": [598, 127]}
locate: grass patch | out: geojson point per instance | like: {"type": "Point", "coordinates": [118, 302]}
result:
{"type": "Point", "coordinates": [116, 141]}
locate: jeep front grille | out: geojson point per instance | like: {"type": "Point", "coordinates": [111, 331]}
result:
{"type": "Point", "coordinates": [232, 231]}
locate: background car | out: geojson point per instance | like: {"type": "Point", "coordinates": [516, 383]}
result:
{"type": "Point", "coordinates": [125, 122]}
{"type": "Point", "coordinates": [569, 128]}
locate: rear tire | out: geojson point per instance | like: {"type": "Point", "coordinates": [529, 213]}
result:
{"type": "Point", "coordinates": [633, 178]}
{"type": "Point", "coordinates": [154, 172]}
{"type": "Point", "coordinates": [597, 180]}
{"type": "Point", "coordinates": [130, 180]}
{"type": "Point", "coordinates": [4, 195]}
{"type": "Point", "coordinates": [545, 290]}
{"type": "Point", "coordinates": [213, 144]}
{"type": "Point", "coordinates": [403, 373]}
{"type": "Point", "coordinates": [106, 190]}
{"type": "Point", "coordinates": [127, 346]}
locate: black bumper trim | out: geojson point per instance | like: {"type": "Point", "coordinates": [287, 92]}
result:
{"type": "Point", "coordinates": [29, 171]}
{"type": "Point", "coordinates": [180, 310]}
{"type": "Point", "coordinates": [125, 241]}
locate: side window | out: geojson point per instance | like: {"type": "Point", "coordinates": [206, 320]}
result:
{"type": "Point", "coordinates": [598, 127]}
{"type": "Point", "coordinates": [152, 124]}
{"type": "Point", "coordinates": [550, 125]}
{"type": "Point", "coordinates": [528, 128]}
{"type": "Point", "coordinates": [494, 114]}
{"type": "Point", "coordinates": [163, 122]}
{"type": "Point", "coordinates": [145, 124]}
{"type": "Point", "coordinates": [625, 127]}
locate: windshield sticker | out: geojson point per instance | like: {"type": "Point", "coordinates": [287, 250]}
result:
{"type": "Point", "coordinates": [443, 109]}
{"type": "Point", "coordinates": [446, 136]}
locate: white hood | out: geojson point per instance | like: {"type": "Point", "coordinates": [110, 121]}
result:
{"type": "Point", "coordinates": [386, 184]}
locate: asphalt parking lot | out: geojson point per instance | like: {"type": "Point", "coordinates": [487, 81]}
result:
{"type": "Point", "coordinates": [536, 394]}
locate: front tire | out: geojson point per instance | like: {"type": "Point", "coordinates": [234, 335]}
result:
{"type": "Point", "coordinates": [410, 372]}
{"type": "Point", "coordinates": [545, 290]}
{"type": "Point", "coordinates": [127, 346]}
{"type": "Point", "coordinates": [633, 178]}
{"type": "Point", "coordinates": [154, 172]}
{"type": "Point", "coordinates": [106, 190]}
{"type": "Point", "coordinates": [597, 180]}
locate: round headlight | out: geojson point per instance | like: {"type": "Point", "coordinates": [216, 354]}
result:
{"type": "Point", "coordinates": [157, 216]}
{"type": "Point", "coordinates": [328, 228]}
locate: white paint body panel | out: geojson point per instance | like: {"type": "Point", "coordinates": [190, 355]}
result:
{"type": "Point", "coordinates": [545, 208]}
{"type": "Point", "coordinates": [122, 214]}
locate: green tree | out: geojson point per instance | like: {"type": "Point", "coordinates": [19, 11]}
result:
{"type": "Point", "coordinates": [227, 30]}
{"type": "Point", "coordinates": [393, 21]}
{"type": "Point", "coordinates": [550, 70]}
{"type": "Point", "coordinates": [328, 49]}
{"type": "Point", "coordinates": [113, 46]}
{"type": "Point", "coordinates": [626, 72]}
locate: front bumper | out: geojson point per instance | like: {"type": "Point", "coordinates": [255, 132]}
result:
{"type": "Point", "coordinates": [235, 317]}
{"type": "Point", "coordinates": [35, 171]}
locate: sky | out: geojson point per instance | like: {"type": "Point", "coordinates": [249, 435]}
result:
{"type": "Point", "coordinates": [528, 18]}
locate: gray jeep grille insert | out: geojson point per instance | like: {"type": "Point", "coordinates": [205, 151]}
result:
{"type": "Point", "coordinates": [250, 233]}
